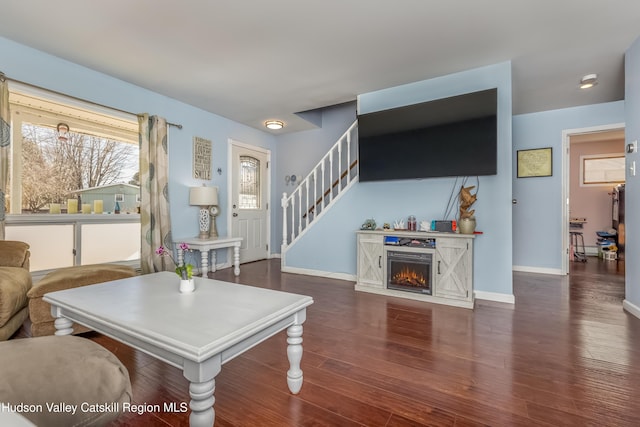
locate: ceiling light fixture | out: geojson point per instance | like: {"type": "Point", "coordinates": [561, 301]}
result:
{"type": "Point", "coordinates": [274, 124]}
{"type": "Point", "coordinates": [588, 81]}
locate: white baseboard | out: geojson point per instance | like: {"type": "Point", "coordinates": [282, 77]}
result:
{"type": "Point", "coordinates": [541, 270]}
{"type": "Point", "coordinates": [494, 296]}
{"type": "Point", "coordinates": [631, 308]}
{"type": "Point", "coordinates": [319, 273]}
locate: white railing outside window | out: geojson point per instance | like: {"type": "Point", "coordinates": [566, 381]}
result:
{"type": "Point", "coordinates": [64, 240]}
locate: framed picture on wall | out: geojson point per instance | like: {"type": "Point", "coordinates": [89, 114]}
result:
{"type": "Point", "coordinates": [535, 162]}
{"type": "Point", "coordinates": [201, 158]}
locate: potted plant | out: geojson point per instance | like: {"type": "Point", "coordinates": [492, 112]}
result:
{"type": "Point", "coordinates": [184, 271]}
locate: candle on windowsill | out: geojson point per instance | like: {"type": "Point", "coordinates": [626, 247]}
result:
{"type": "Point", "coordinates": [72, 206]}
{"type": "Point", "coordinates": [54, 208]}
{"type": "Point", "coordinates": [86, 208]}
{"type": "Point", "coordinates": [97, 206]}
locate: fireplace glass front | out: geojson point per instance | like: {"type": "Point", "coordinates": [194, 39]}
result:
{"type": "Point", "coordinates": [409, 270]}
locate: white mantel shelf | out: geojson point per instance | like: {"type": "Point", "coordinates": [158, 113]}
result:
{"type": "Point", "coordinates": [452, 281]}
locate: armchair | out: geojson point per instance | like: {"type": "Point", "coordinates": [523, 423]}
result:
{"type": "Point", "coordinates": [15, 282]}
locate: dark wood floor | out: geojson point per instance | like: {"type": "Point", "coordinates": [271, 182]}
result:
{"type": "Point", "coordinates": [565, 355]}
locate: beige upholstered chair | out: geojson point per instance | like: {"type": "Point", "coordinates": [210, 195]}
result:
{"type": "Point", "coordinates": [15, 282]}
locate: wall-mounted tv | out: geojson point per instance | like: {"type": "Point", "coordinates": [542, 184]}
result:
{"type": "Point", "coordinates": [454, 136]}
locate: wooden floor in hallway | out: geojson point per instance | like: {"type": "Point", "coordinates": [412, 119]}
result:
{"type": "Point", "coordinates": [566, 354]}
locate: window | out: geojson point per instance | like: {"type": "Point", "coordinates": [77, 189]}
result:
{"type": "Point", "coordinates": [62, 147]}
{"type": "Point", "coordinates": [602, 169]}
{"type": "Point", "coordinates": [249, 197]}
{"type": "Point", "coordinates": [68, 155]}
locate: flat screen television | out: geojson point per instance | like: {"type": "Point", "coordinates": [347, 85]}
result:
{"type": "Point", "coordinates": [454, 136]}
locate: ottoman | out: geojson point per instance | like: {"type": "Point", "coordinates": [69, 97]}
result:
{"type": "Point", "coordinates": [42, 323]}
{"type": "Point", "coordinates": [63, 381]}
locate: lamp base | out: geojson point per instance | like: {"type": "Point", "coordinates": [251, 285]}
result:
{"type": "Point", "coordinates": [204, 222]}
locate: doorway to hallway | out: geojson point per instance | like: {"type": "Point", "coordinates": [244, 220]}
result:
{"type": "Point", "coordinates": [593, 165]}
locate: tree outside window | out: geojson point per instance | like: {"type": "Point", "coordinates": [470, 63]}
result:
{"type": "Point", "coordinates": [55, 167]}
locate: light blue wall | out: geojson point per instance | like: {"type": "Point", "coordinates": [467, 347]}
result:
{"type": "Point", "coordinates": [37, 68]}
{"type": "Point", "coordinates": [537, 218]}
{"type": "Point", "coordinates": [632, 189]}
{"type": "Point", "coordinates": [330, 245]}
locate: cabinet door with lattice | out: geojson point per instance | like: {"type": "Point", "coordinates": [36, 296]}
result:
{"type": "Point", "coordinates": [370, 254]}
{"type": "Point", "coordinates": [453, 268]}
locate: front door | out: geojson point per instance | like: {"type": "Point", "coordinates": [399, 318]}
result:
{"type": "Point", "coordinates": [250, 200]}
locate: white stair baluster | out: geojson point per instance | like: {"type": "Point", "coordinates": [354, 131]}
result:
{"type": "Point", "coordinates": [284, 203]}
{"type": "Point", "coordinates": [339, 171]}
{"type": "Point", "coordinates": [331, 176]}
{"type": "Point", "coordinates": [306, 182]}
{"type": "Point", "coordinates": [348, 158]}
{"type": "Point", "coordinates": [299, 190]}
{"type": "Point", "coordinates": [293, 216]}
{"type": "Point", "coordinates": [315, 192]}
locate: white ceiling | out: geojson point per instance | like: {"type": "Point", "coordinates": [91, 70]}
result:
{"type": "Point", "coordinates": [251, 61]}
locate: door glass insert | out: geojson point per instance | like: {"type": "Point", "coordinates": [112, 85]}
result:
{"type": "Point", "coordinates": [249, 197]}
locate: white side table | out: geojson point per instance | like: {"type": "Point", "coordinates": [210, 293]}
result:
{"type": "Point", "coordinates": [206, 245]}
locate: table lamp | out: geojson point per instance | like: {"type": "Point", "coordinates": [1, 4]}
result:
{"type": "Point", "coordinates": [205, 197]}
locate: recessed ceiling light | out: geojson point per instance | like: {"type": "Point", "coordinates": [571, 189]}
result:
{"type": "Point", "coordinates": [590, 80]}
{"type": "Point", "coordinates": [274, 124]}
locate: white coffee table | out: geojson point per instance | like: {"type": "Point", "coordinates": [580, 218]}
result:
{"type": "Point", "coordinates": [196, 332]}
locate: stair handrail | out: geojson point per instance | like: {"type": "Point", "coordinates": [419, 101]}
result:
{"type": "Point", "coordinates": [301, 221]}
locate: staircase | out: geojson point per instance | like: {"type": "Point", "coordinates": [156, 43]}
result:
{"type": "Point", "coordinates": [325, 184]}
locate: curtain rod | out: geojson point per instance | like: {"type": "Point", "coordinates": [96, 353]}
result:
{"type": "Point", "coordinates": [4, 77]}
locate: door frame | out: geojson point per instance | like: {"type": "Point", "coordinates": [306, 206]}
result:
{"type": "Point", "coordinates": [230, 144]}
{"type": "Point", "coordinates": [566, 157]}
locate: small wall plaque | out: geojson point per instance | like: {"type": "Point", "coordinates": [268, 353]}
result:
{"type": "Point", "coordinates": [535, 162]}
{"type": "Point", "coordinates": [201, 158]}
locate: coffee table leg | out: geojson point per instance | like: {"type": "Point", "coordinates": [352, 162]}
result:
{"type": "Point", "coordinates": [202, 384]}
{"type": "Point", "coordinates": [202, 400]}
{"type": "Point", "coordinates": [63, 326]}
{"type": "Point", "coordinates": [294, 354]}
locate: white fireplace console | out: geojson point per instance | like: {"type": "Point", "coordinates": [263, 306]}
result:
{"type": "Point", "coordinates": [451, 277]}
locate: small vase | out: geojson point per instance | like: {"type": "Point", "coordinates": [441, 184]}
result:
{"type": "Point", "coordinates": [187, 286]}
{"type": "Point", "coordinates": [467, 225]}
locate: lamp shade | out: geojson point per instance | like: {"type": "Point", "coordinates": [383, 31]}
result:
{"type": "Point", "coordinates": [203, 196]}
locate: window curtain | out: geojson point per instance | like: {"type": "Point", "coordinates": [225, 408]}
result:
{"type": "Point", "coordinates": [5, 149]}
{"type": "Point", "coordinates": [155, 221]}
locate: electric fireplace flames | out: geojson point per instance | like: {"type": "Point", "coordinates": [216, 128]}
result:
{"type": "Point", "coordinates": [409, 277]}
{"type": "Point", "coordinates": [409, 270]}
